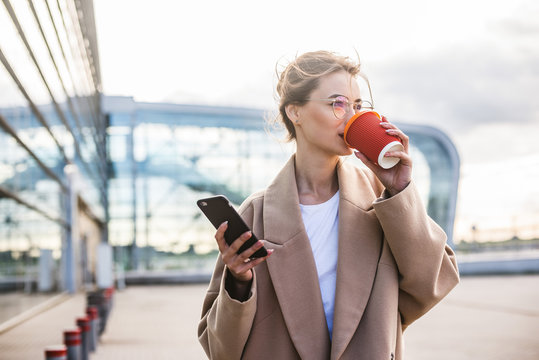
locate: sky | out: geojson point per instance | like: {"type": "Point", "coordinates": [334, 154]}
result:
{"type": "Point", "coordinates": [467, 67]}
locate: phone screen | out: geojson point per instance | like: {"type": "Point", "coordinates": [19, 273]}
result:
{"type": "Point", "coordinates": [218, 210]}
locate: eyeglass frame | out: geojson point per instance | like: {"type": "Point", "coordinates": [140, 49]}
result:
{"type": "Point", "coordinates": [361, 101]}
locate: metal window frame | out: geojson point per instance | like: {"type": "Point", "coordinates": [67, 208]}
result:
{"type": "Point", "coordinates": [5, 193]}
{"type": "Point", "coordinates": [8, 129]}
{"type": "Point", "coordinates": [39, 116]}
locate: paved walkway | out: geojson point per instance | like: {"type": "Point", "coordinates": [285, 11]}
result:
{"type": "Point", "coordinates": [483, 318]}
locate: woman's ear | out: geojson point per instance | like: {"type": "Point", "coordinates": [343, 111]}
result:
{"type": "Point", "coordinates": [292, 111]}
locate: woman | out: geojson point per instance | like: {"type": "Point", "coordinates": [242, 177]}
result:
{"type": "Point", "coordinates": [353, 257]}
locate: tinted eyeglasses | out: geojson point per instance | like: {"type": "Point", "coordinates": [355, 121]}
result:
{"type": "Point", "coordinates": [342, 106]}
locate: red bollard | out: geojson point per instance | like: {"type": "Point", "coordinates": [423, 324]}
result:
{"type": "Point", "coordinates": [108, 299]}
{"type": "Point", "coordinates": [111, 291]}
{"type": "Point", "coordinates": [56, 352]}
{"type": "Point", "coordinates": [93, 314]}
{"type": "Point", "coordinates": [84, 326]}
{"type": "Point", "coordinates": [73, 342]}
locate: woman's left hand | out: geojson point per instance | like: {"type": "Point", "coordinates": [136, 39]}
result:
{"type": "Point", "coordinates": [399, 176]}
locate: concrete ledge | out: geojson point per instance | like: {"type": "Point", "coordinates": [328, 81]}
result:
{"type": "Point", "coordinates": [166, 277]}
{"type": "Point", "coordinates": [30, 313]}
{"type": "Point", "coordinates": [13, 283]}
{"type": "Point", "coordinates": [501, 267]}
{"type": "Point", "coordinates": [499, 263]}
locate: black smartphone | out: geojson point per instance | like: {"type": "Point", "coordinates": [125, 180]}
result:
{"type": "Point", "coordinates": [218, 210]}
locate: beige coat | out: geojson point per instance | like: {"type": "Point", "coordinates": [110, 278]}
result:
{"type": "Point", "coordinates": [393, 266]}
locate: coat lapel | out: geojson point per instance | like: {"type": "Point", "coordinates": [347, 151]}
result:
{"type": "Point", "coordinates": [292, 267]}
{"type": "Point", "coordinates": [360, 241]}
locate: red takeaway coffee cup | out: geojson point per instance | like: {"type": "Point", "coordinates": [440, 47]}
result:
{"type": "Point", "coordinates": [364, 133]}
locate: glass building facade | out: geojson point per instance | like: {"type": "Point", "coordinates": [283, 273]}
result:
{"type": "Point", "coordinates": [163, 157]}
{"type": "Point", "coordinates": [53, 174]}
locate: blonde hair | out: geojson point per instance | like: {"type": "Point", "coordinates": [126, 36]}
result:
{"type": "Point", "coordinates": [302, 76]}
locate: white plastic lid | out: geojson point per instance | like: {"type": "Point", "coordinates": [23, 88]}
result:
{"type": "Point", "coordinates": [389, 162]}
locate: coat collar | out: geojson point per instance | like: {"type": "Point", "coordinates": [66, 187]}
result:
{"type": "Point", "coordinates": [293, 269]}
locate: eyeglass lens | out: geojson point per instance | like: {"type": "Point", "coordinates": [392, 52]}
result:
{"type": "Point", "coordinates": [341, 106]}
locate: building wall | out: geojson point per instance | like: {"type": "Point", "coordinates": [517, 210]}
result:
{"type": "Point", "coordinates": [50, 116]}
{"type": "Point", "coordinates": [90, 235]}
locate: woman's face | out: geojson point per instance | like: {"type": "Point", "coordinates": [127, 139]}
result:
{"type": "Point", "coordinates": [319, 129]}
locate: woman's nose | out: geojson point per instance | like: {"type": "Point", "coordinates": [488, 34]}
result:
{"type": "Point", "coordinates": [350, 111]}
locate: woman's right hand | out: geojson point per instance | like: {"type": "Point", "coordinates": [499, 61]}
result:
{"type": "Point", "coordinates": [239, 265]}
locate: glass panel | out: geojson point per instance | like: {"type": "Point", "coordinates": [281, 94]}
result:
{"type": "Point", "coordinates": [23, 234]}
{"type": "Point", "coordinates": [83, 73]}
{"type": "Point", "coordinates": [25, 124]}
{"type": "Point", "coordinates": [50, 35]}
{"type": "Point", "coordinates": [19, 59]}
{"type": "Point", "coordinates": [38, 47]}
{"type": "Point", "coordinates": [21, 175]}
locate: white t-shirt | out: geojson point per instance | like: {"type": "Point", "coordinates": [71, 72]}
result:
{"type": "Point", "coordinates": [322, 225]}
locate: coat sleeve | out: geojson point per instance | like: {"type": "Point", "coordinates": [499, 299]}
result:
{"type": "Point", "coordinates": [427, 265]}
{"type": "Point", "coordinates": [226, 323]}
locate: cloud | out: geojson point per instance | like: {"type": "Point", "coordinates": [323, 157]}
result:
{"type": "Point", "coordinates": [522, 22]}
{"type": "Point", "coordinates": [517, 28]}
{"type": "Point", "coordinates": [462, 86]}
